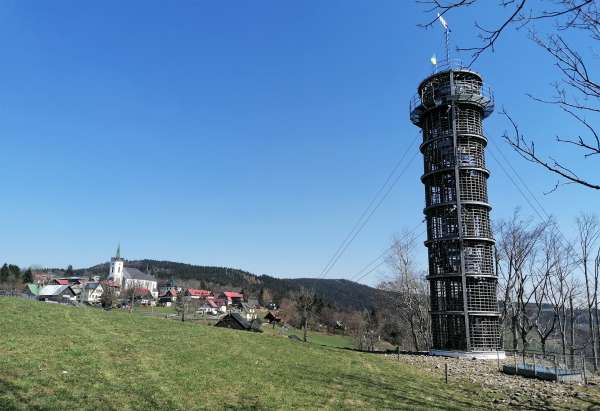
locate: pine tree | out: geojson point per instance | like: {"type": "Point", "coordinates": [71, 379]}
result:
{"type": "Point", "coordinates": [15, 272]}
{"type": "Point", "coordinates": [69, 272]}
{"type": "Point", "coordinates": [4, 273]}
{"type": "Point", "coordinates": [28, 276]}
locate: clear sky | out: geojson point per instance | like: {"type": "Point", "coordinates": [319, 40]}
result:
{"type": "Point", "coordinates": [244, 134]}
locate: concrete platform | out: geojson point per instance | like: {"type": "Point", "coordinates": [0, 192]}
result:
{"type": "Point", "coordinates": [471, 355]}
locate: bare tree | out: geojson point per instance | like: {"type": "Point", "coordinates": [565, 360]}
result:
{"type": "Point", "coordinates": [561, 288]}
{"type": "Point", "coordinates": [545, 323]}
{"type": "Point", "coordinates": [408, 293]}
{"type": "Point", "coordinates": [518, 240]}
{"type": "Point", "coordinates": [588, 228]}
{"type": "Point", "coordinates": [577, 93]}
{"type": "Point", "coordinates": [307, 304]}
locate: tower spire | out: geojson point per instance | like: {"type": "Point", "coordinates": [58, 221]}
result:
{"type": "Point", "coordinates": [118, 255]}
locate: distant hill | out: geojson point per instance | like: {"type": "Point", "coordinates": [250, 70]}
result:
{"type": "Point", "coordinates": [344, 294]}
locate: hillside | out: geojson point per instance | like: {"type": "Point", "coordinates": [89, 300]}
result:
{"type": "Point", "coordinates": [57, 357]}
{"type": "Point", "coordinates": [346, 295]}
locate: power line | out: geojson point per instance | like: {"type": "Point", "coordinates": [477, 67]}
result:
{"type": "Point", "coordinates": [366, 214]}
{"type": "Point", "coordinates": [383, 260]}
{"type": "Point", "coordinates": [547, 217]}
{"type": "Point", "coordinates": [384, 253]}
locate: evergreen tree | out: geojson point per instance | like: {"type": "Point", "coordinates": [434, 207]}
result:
{"type": "Point", "coordinates": [69, 272]}
{"type": "Point", "coordinates": [15, 272]}
{"type": "Point", "coordinates": [4, 273]}
{"type": "Point", "coordinates": [27, 276]}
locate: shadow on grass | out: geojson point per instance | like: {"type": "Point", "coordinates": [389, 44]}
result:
{"type": "Point", "coordinates": [407, 392]}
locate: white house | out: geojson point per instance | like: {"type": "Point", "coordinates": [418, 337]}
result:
{"type": "Point", "coordinates": [126, 277]}
{"type": "Point", "coordinates": [91, 293]}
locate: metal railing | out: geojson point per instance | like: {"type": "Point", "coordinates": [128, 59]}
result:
{"type": "Point", "coordinates": [436, 94]}
{"type": "Point", "coordinates": [565, 368]}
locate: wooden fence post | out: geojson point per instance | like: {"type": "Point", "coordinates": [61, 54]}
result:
{"type": "Point", "coordinates": [583, 366]}
{"type": "Point", "coordinates": [446, 372]}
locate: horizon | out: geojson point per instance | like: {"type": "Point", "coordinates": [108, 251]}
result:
{"type": "Point", "coordinates": [247, 136]}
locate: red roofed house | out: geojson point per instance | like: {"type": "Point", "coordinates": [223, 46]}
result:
{"type": "Point", "coordinates": [60, 281]}
{"type": "Point", "coordinates": [233, 298]}
{"type": "Point", "coordinates": [197, 294]}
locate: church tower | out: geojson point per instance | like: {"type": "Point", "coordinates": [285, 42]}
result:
{"type": "Point", "coordinates": [116, 268]}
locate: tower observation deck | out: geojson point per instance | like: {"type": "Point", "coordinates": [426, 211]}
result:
{"type": "Point", "coordinates": [449, 108]}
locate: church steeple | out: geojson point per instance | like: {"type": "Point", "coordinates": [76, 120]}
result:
{"type": "Point", "coordinates": [116, 267]}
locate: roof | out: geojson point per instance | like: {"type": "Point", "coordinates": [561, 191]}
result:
{"type": "Point", "coordinates": [248, 307]}
{"type": "Point", "coordinates": [142, 291]}
{"type": "Point", "coordinates": [54, 289]}
{"type": "Point", "coordinates": [33, 288]}
{"type": "Point", "coordinates": [61, 281]}
{"type": "Point", "coordinates": [201, 293]}
{"type": "Point", "coordinates": [237, 318]}
{"type": "Point", "coordinates": [233, 294]}
{"type": "Point", "coordinates": [92, 285]}
{"type": "Point", "coordinates": [135, 274]}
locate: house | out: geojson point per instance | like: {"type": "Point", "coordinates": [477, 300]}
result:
{"type": "Point", "coordinates": [128, 277]}
{"type": "Point", "coordinates": [272, 318]}
{"type": "Point", "coordinates": [208, 307]}
{"type": "Point", "coordinates": [220, 303]}
{"type": "Point", "coordinates": [143, 296]}
{"type": "Point", "coordinates": [249, 311]}
{"type": "Point", "coordinates": [91, 293]}
{"type": "Point", "coordinates": [168, 298]}
{"type": "Point", "coordinates": [31, 291]}
{"type": "Point", "coordinates": [57, 293]}
{"type": "Point", "coordinates": [235, 321]}
{"type": "Point", "coordinates": [233, 298]}
{"type": "Point", "coordinates": [197, 294]}
{"type": "Point", "coordinates": [164, 287]}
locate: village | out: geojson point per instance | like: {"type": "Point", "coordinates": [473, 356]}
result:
{"type": "Point", "coordinates": [126, 287]}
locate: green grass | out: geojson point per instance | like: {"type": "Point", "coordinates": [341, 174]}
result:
{"type": "Point", "coordinates": [328, 340]}
{"type": "Point", "coordinates": [57, 357]}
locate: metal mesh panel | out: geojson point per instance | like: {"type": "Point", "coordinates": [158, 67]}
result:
{"type": "Point", "coordinates": [484, 333]}
{"type": "Point", "coordinates": [446, 295]}
{"type": "Point", "coordinates": [437, 123]}
{"type": "Point", "coordinates": [476, 221]}
{"type": "Point", "coordinates": [473, 185]}
{"type": "Point", "coordinates": [448, 331]}
{"type": "Point", "coordinates": [481, 294]}
{"type": "Point", "coordinates": [442, 223]}
{"type": "Point", "coordinates": [468, 120]}
{"type": "Point", "coordinates": [444, 258]}
{"type": "Point", "coordinates": [439, 154]}
{"type": "Point", "coordinates": [440, 188]}
{"type": "Point", "coordinates": [470, 152]}
{"type": "Point", "coordinates": [479, 258]}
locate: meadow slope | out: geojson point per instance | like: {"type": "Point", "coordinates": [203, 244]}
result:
{"type": "Point", "coordinates": [58, 357]}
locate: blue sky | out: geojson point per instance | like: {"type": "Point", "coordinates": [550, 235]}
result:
{"type": "Point", "coordinates": [242, 134]}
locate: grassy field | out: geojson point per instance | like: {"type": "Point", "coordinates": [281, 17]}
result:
{"type": "Point", "coordinates": [328, 340]}
{"type": "Point", "coordinates": [57, 357]}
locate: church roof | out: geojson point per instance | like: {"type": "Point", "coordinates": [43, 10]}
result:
{"type": "Point", "coordinates": [135, 274]}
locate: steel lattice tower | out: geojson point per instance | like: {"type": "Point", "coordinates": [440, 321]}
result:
{"type": "Point", "coordinates": [449, 109]}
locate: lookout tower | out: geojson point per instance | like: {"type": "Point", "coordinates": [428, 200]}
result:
{"type": "Point", "coordinates": [449, 108]}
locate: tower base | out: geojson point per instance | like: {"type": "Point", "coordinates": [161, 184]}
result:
{"type": "Point", "coordinates": [471, 355]}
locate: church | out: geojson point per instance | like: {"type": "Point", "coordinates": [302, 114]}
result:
{"type": "Point", "coordinates": [126, 277]}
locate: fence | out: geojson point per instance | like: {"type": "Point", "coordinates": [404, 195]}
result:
{"type": "Point", "coordinates": [551, 366]}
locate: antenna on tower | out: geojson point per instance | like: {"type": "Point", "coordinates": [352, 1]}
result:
{"type": "Point", "coordinates": [444, 23]}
